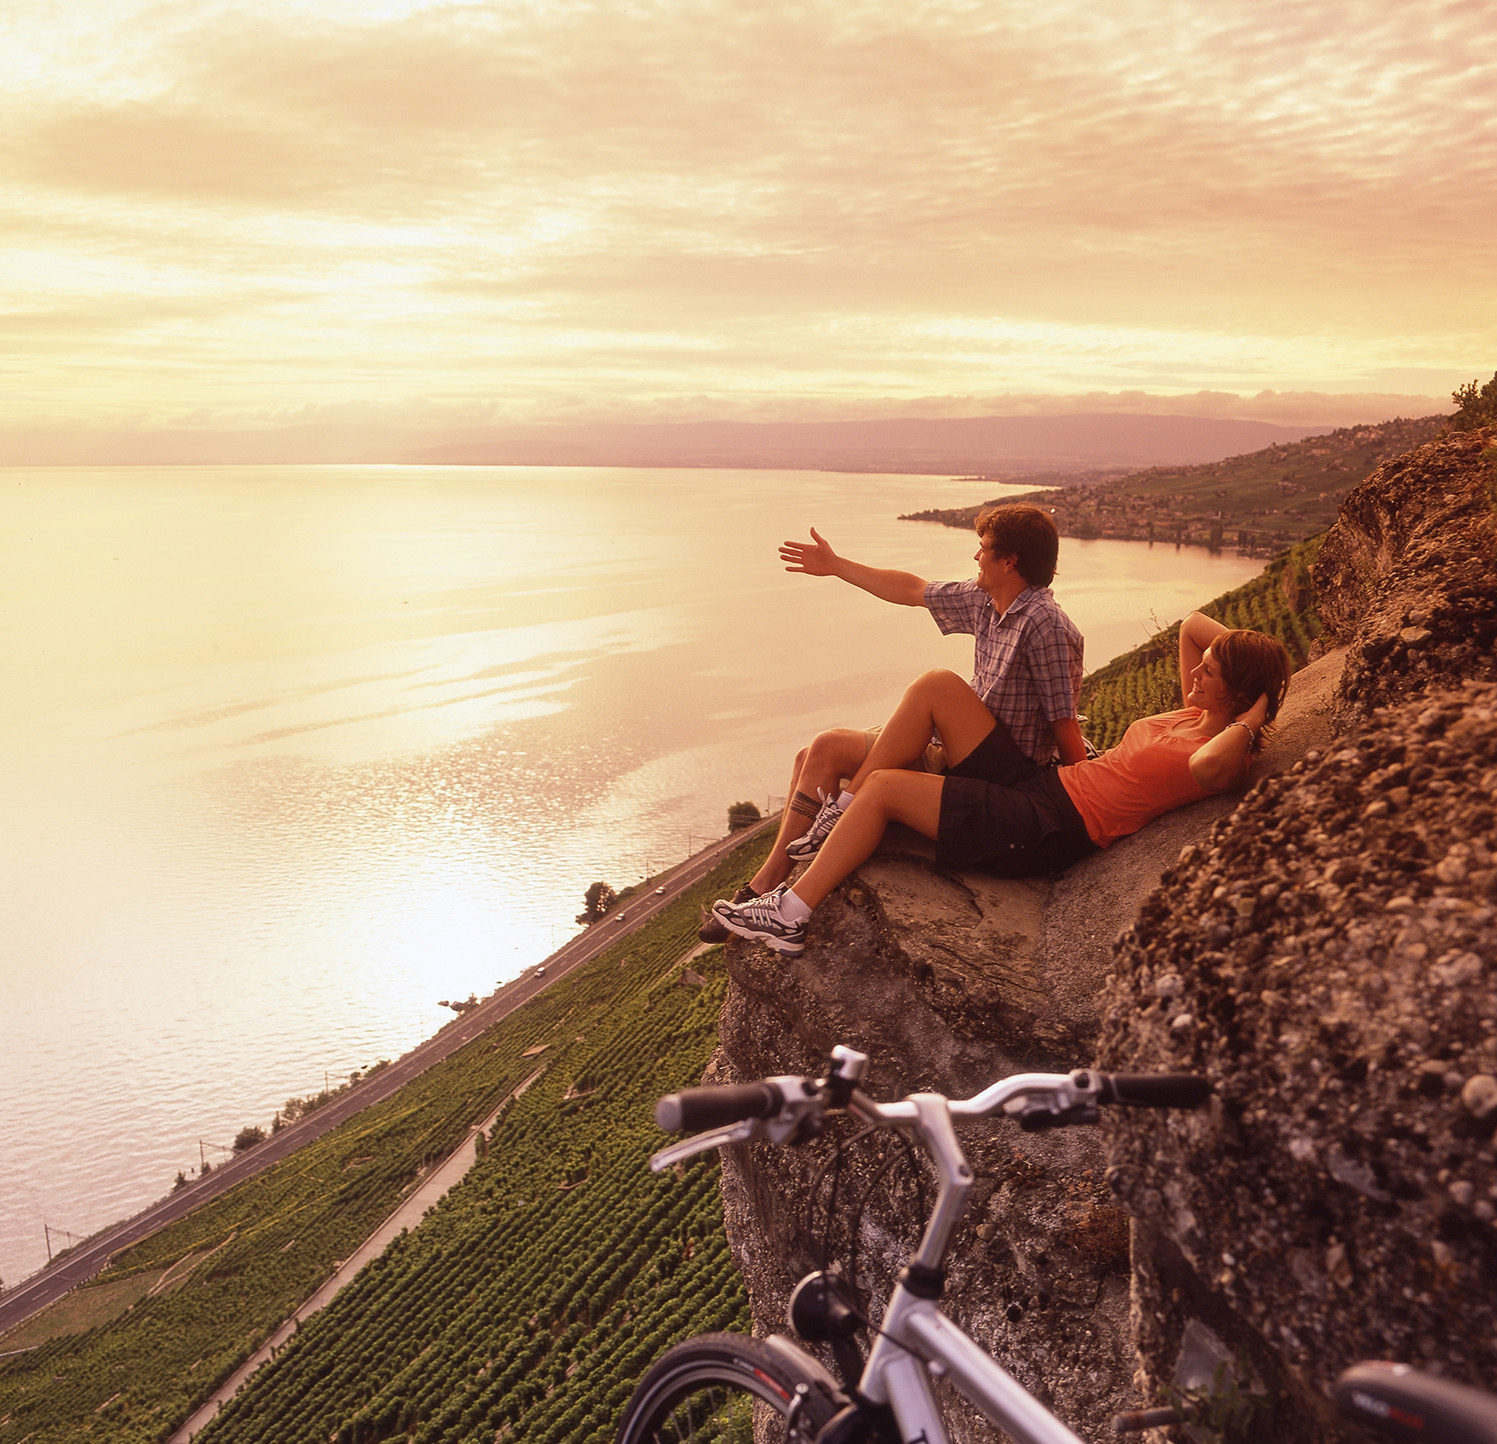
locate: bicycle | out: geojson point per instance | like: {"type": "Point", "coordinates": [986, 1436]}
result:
{"type": "Point", "coordinates": [727, 1387]}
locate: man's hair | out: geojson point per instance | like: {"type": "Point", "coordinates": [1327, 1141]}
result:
{"type": "Point", "coordinates": [1253, 664]}
{"type": "Point", "coordinates": [1025, 533]}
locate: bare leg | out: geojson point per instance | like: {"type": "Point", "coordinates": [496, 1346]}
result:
{"type": "Point", "coordinates": [934, 702]}
{"type": "Point", "coordinates": [821, 767]}
{"type": "Point", "coordinates": [913, 798]}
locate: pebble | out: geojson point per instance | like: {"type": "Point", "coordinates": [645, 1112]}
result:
{"type": "Point", "coordinates": [1479, 1096]}
{"type": "Point", "coordinates": [1455, 866]}
{"type": "Point", "coordinates": [1338, 1266]}
{"type": "Point", "coordinates": [1457, 968]}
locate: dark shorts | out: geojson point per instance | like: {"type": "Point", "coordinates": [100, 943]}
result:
{"type": "Point", "coordinates": [1004, 813]}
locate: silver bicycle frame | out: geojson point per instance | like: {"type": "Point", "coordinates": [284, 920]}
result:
{"type": "Point", "coordinates": [916, 1340]}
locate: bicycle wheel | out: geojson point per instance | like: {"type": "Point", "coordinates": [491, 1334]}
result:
{"type": "Point", "coordinates": [729, 1389]}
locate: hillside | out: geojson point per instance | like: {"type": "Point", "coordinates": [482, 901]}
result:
{"type": "Point", "coordinates": [1279, 601]}
{"type": "Point", "coordinates": [530, 1240]}
{"type": "Point", "coordinates": [1259, 503]}
{"type": "Point", "coordinates": [531, 1296]}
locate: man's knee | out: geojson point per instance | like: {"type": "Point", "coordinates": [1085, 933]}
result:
{"type": "Point", "coordinates": [939, 679]}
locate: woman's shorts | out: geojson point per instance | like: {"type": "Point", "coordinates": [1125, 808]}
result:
{"type": "Point", "coordinates": [1029, 828]}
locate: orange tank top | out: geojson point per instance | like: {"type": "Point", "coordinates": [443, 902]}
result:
{"type": "Point", "coordinates": [1146, 774]}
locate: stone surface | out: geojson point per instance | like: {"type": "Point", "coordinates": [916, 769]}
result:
{"type": "Point", "coordinates": [1406, 579]}
{"type": "Point", "coordinates": [1338, 1200]}
{"type": "Point", "coordinates": [1335, 943]}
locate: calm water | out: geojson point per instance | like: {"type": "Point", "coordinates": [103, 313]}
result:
{"type": "Point", "coordinates": [294, 753]}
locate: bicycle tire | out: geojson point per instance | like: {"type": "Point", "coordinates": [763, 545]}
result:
{"type": "Point", "coordinates": [729, 1389]}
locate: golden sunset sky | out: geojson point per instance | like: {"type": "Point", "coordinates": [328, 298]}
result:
{"type": "Point", "coordinates": [439, 214]}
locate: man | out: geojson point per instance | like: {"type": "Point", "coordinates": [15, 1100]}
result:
{"type": "Point", "coordinates": [1026, 668]}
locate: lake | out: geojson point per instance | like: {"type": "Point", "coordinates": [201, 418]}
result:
{"type": "Point", "coordinates": [295, 753]}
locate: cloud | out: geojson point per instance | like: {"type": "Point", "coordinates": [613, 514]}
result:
{"type": "Point", "coordinates": [690, 198]}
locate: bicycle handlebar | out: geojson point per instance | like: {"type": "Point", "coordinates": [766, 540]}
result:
{"type": "Point", "coordinates": [1155, 1090]}
{"type": "Point", "coordinates": [694, 1108]}
{"type": "Point", "coordinates": [1035, 1100]}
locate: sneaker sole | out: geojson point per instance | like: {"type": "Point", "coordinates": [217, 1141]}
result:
{"type": "Point", "coordinates": [780, 945]}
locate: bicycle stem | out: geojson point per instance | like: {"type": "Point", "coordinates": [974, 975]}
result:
{"type": "Point", "coordinates": [955, 1173]}
{"type": "Point", "coordinates": [930, 1115]}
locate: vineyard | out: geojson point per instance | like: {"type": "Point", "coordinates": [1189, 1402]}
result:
{"type": "Point", "coordinates": [1280, 601]}
{"type": "Point", "coordinates": [526, 1303]}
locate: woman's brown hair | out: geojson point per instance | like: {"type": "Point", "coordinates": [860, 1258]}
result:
{"type": "Point", "coordinates": [1253, 664]}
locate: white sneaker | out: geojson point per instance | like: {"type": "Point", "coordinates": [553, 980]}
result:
{"type": "Point", "coordinates": [808, 844]}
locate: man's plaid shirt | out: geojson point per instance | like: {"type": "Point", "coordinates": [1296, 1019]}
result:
{"type": "Point", "coordinates": [1027, 662]}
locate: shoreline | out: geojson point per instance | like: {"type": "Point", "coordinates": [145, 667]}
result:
{"type": "Point", "coordinates": [82, 1261]}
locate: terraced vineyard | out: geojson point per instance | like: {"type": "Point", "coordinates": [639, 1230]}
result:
{"type": "Point", "coordinates": [527, 1302]}
{"type": "Point", "coordinates": [1279, 601]}
{"type": "Point", "coordinates": [535, 1295]}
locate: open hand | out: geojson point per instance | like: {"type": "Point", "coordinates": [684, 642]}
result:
{"type": "Point", "coordinates": [815, 558]}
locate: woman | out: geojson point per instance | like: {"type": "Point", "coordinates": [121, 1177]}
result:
{"type": "Point", "coordinates": [997, 810]}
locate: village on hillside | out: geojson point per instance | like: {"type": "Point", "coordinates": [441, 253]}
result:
{"type": "Point", "coordinates": [1257, 504]}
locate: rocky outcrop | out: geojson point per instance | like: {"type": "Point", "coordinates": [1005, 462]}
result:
{"type": "Point", "coordinates": [1406, 576]}
{"type": "Point", "coordinates": [1329, 957]}
{"type": "Point", "coordinates": [1321, 948]}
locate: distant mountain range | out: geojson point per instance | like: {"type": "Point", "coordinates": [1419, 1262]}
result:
{"type": "Point", "coordinates": [991, 445]}
{"type": "Point", "coordinates": [999, 447]}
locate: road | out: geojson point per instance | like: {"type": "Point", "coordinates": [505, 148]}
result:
{"type": "Point", "coordinates": [82, 1262]}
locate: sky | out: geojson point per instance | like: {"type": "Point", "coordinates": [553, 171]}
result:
{"type": "Point", "coordinates": [448, 213]}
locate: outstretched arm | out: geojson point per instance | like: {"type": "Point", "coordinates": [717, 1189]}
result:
{"type": "Point", "coordinates": [816, 558]}
{"type": "Point", "coordinates": [1197, 632]}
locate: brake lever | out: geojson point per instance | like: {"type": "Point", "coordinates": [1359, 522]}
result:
{"type": "Point", "coordinates": [740, 1132]}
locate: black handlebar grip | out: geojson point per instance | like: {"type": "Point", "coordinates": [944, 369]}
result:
{"type": "Point", "coordinates": [1407, 1404]}
{"type": "Point", "coordinates": [1155, 1090]}
{"type": "Point", "coordinates": [698, 1108]}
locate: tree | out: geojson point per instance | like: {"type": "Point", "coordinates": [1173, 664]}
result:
{"type": "Point", "coordinates": [742, 814]}
{"type": "Point", "coordinates": [600, 899]}
{"type": "Point", "coordinates": [248, 1137]}
{"type": "Point", "coordinates": [1478, 405]}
